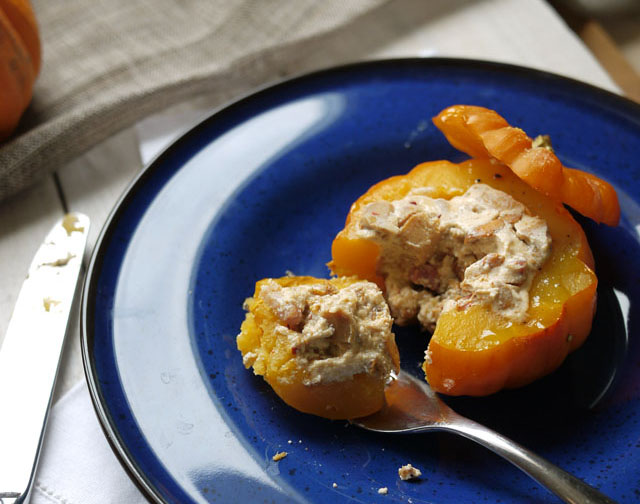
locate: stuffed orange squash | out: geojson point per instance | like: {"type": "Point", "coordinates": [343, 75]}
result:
{"type": "Point", "coordinates": [483, 254]}
{"type": "Point", "coordinates": [501, 274]}
{"type": "Point", "coordinates": [324, 346]}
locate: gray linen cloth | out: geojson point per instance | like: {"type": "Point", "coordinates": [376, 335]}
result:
{"type": "Point", "coordinates": [108, 63]}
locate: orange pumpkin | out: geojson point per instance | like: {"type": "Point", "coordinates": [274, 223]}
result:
{"type": "Point", "coordinates": [19, 61]}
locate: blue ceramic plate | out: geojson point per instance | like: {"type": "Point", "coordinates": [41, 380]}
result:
{"type": "Point", "coordinates": [261, 187]}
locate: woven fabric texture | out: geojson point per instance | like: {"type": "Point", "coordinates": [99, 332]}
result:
{"type": "Point", "coordinates": [109, 63]}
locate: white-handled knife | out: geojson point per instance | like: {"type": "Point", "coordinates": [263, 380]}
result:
{"type": "Point", "coordinates": [30, 353]}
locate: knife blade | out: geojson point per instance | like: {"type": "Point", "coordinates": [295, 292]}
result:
{"type": "Point", "coordinates": [31, 349]}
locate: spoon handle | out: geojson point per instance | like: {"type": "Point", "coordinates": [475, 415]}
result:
{"type": "Point", "coordinates": [566, 486]}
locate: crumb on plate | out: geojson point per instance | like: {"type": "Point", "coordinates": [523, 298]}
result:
{"type": "Point", "coordinates": [408, 472]}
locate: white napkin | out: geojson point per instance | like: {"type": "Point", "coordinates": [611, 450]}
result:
{"type": "Point", "coordinates": [77, 465]}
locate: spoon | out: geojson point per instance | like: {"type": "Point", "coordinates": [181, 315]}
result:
{"type": "Point", "coordinates": [412, 407]}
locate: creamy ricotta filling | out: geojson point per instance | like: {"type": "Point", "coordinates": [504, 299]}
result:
{"type": "Point", "coordinates": [334, 333]}
{"type": "Point", "coordinates": [438, 255]}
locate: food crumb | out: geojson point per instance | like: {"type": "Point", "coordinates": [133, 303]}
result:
{"type": "Point", "coordinates": [383, 491]}
{"type": "Point", "coordinates": [335, 485]}
{"type": "Point", "coordinates": [63, 261]}
{"type": "Point", "coordinates": [543, 141]}
{"type": "Point", "coordinates": [407, 472]}
{"type": "Point", "coordinates": [279, 456]}
{"type": "Point", "coordinates": [49, 303]}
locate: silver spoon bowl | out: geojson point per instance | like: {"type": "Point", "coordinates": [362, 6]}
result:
{"type": "Point", "coordinates": [412, 407]}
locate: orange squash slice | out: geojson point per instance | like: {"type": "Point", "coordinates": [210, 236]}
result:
{"type": "Point", "coordinates": [324, 346]}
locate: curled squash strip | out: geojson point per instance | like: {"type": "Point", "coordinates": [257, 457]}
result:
{"type": "Point", "coordinates": [474, 350]}
{"type": "Point", "coordinates": [324, 346]}
{"type": "Point", "coordinates": [483, 133]}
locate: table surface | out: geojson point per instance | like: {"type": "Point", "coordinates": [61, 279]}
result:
{"type": "Point", "coordinates": [523, 32]}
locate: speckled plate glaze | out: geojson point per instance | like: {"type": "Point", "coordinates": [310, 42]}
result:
{"type": "Point", "coordinates": [261, 187]}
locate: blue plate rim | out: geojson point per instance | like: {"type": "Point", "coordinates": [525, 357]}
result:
{"type": "Point", "coordinates": [126, 460]}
